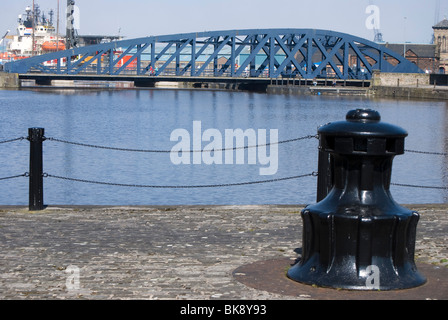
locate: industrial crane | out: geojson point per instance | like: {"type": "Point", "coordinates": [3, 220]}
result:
{"type": "Point", "coordinates": [378, 34]}
{"type": "Point", "coordinates": [3, 38]}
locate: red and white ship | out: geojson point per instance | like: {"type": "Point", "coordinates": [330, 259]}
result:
{"type": "Point", "coordinates": [44, 37]}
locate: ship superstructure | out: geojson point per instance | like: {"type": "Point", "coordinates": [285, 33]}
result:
{"type": "Point", "coordinates": [44, 39]}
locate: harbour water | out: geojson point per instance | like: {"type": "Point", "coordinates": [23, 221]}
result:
{"type": "Point", "coordinates": [145, 119]}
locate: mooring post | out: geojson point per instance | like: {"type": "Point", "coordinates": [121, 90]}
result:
{"type": "Point", "coordinates": [36, 189]}
{"type": "Point", "coordinates": [358, 237]}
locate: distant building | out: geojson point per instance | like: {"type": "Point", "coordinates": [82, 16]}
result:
{"type": "Point", "coordinates": [423, 55]}
{"type": "Point", "coordinates": [441, 43]}
{"type": "Point", "coordinates": [431, 58]}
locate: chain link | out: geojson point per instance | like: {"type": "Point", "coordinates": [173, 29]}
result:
{"type": "Point", "coordinates": [418, 186]}
{"type": "Point", "coordinates": [12, 140]}
{"type": "Point", "coordinates": [179, 187]}
{"type": "Point", "coordinates": [104, 147]}
{"type": "Point", "coordinates": [427, 152]}
{"type": "Point", "coordinates": [14, 177]}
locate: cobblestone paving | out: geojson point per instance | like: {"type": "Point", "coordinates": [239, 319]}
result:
{"type": "Point", "coordinates": [160, 252]}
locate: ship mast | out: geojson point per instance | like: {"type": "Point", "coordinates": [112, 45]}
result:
{"type": "Point", "coordinates": [57, 28]}
{"type": "Point", "coordinates": [34, 29]}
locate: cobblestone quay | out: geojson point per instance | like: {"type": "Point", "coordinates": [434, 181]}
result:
{"type": "Point", "coordinates": [182, 252]}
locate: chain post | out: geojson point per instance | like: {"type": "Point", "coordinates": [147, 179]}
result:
{"type": "Point", "coordinates": [36, 189]}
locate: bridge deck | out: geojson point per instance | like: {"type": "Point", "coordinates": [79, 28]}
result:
{"type": "Point", "coordinates": [149, 81]}
{"type": "Point", "coordinates": [96, 77]}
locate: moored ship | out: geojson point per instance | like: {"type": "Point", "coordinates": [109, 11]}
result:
{"type": "Point", "coordinates": [45, 38]}
{"type": "Point", "coordinates": [27, 43]}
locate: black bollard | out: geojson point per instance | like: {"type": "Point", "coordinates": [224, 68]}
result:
{"type": "Point", "coordinates": [324, 179]}
{"type": "Point", "coordinates": [358, 237]}
{"type": "Point", "coordinates": [36, 189]}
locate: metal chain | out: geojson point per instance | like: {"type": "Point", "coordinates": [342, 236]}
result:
{"type": "Point", "coordinates": [12, 140]}
{"type": "Point", "coordinates": [427, 152]}
{"type": "Point", "coordinates": [169, 151]}
{"type": "Point", "coordinates": [179, 187]}
{"type": "Point", "coordinates": [197, 151]}
{"type": "Point", "coordinates": [417, 186]}
{"type": "Point", "coordinates": [104, 147]}
{"type": "Point", "coordinates": [14, 177]}
{"type": "Point", "coordinates": [313, 174]}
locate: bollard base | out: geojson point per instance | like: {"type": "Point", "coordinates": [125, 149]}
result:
{"type": "Point", "coordinates": [270, 276]}
{"type": "Point", "coordinates": [358, 252]}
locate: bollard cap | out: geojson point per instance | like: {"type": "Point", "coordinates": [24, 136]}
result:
{"type": "Point", "coordinates": [362, 133]}
{"type": "Point", "coordinates": [363, 115]}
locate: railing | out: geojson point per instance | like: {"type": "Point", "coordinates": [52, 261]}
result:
{"type": "Point", "coordinates": [36, 175]}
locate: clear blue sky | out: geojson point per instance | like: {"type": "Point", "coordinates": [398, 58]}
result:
{"type": "Point", "coordinates": [400, 20]}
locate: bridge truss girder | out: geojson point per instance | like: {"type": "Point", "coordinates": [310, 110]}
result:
{"type": "Point", "coordinates": [273, 53]}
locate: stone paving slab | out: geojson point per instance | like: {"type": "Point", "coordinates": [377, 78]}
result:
{"type": "Point", "coordinates": [165, 253]}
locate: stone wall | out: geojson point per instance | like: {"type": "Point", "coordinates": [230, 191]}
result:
{"type": "Point", "coordinates": [410, 93]}
{"type": "Point", "coordinates": [406, 85]}
{"type": "Point", "coordinates": [400, 79]}
{"type": "Point", "coordinates": [9, 80]}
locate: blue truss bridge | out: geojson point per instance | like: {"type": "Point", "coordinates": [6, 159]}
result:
{"type": "Point", "coordinates": [235, 55]}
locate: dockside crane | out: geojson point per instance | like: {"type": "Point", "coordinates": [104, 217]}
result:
{"type": "Point", "coordinates": [377, 32]}
{"type": "Point", "coordinates": [3, 38]}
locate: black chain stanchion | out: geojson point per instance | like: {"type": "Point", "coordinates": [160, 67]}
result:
{"type": "Point", "coordinates": [36, 187]}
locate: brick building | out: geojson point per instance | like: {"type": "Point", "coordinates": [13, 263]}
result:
{"type": "Point", "coordinates": [423, 55]}
{"type": "Point", "coordinates": [441, 43]}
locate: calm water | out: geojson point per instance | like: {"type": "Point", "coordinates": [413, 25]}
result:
{"type": "Point", "coordinates": [145, 119]}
